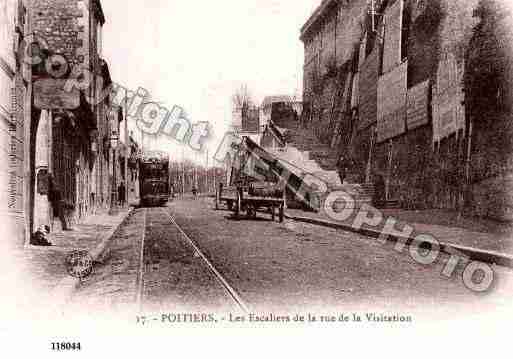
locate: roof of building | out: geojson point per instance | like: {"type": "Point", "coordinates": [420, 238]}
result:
{"type": "Point", "coordinates": [99, 9]}
{"type": "Point", "coordinates": [255, 137]}
{"type": "Point", "coordinates": [277, 132]}
{"type": "Point", "coordinates": [269, 100]}
{"type": "Point", "coordinates": [318, 13]}
{"type": "Point", "coordinates": [154, 155]}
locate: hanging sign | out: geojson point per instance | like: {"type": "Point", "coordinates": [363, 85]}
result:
{"type": "Point", "coordinates": [393, 34]}
{"type": "Point", "coordinates": [448, 114]}
{"type": "Point", "coordinates": [368, 81]}
{"type": "Point", "coordinates": [49, 94]}
{"type": "Point", "coordinates": [417, 105]}
{"type": "Point", "coordinates": [448, 98]}
{"type": "Point", "coordinates": [392, 91]}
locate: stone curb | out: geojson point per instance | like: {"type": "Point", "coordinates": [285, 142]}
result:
{"type": "Point", "coordinates": [474, 254]}
{"type": "Point", "coordinates": [64, 290]}
{"type": "Point", "coordinates": [102, 251]}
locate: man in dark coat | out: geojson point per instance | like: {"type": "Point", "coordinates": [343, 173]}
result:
{"type": "Point", "coordinates": [55, 199]}
{"type": "Point", "coordinates": [342, 168]}
{"type": "Point", "coordinates": [379, 191]}
{"type": "Point", "coordinates": [121, 193]}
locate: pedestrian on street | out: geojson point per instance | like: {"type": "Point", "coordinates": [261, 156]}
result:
{"type": "Point", "coordinates": [342, 168]}
{"type": "Point", "coordinates": [379, 191]}
{"type": "Point", "coordinates": [122, 194]}
{"type": "Point", "coordinates": [194, 192]}
{"type": "Point", "coordinates": [39, 238]}
{"type": "Point", "coordinates": [57, 203]}
{"type": "Point", "coordinates": [93, 202]}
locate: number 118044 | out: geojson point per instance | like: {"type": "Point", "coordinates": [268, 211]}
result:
{"type": "Point", "coordinates": [62, 346]}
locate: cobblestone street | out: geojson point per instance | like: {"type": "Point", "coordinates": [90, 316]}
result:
{"type": "Point", "coordinates": [279, 268]}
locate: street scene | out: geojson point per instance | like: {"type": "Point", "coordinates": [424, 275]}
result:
{"type": "Point", "coordinates": [196, 260]}
{"type": "Point", "coordinates": [303, 161]}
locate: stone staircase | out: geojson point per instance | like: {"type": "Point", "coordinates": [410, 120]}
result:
{"type": "Point", "coordinates": [306, 152]}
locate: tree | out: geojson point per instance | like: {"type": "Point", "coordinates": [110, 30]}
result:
{"type": "Point", "coordinates": [488, 62]}
{"type": "Point", "coordinates": [242, 98]}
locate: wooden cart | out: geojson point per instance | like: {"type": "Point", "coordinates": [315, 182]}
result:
{"type": "Point", "coordinates": [240, 200]}
{"type": "Point", "coordinates": [226, 195]}
{"type": "Point", "coordinates": [249, 191]}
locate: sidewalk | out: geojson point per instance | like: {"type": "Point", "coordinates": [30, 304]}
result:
{"type": "Point", "coordinates": [45, 266]}
{"type": "Point", "coordinates": [480, 239]}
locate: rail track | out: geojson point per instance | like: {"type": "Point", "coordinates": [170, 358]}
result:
{"type": "Point", "coordinates": [231, 293]}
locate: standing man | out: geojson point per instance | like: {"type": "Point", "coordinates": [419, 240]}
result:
{"type": "Point", "coordinates": [379, 191]}
{"type": "Point", "coordinates": [93, 202]}
{"type": "Point", "coordinates": [121, 194]}
{"type": "Point", "coordinates": [57, 203]}
{"type": "Point", "coordinates": [172, 190]}
{"type": "Point", "coordinates": [342, 168]}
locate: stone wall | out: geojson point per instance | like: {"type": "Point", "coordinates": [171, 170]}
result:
{"type": "Point", "coordinates": [12, 119]}
{"type": "Point", "coordinates": [488, 83]}
{"type": "Point", "coordinates": [70, 29]}
{"type": "Point", "coordinates": [424, 167]}
{"type": "Point", "coordinates": [64, 25]}
{"type": "Point", "coordinates": [7, 122]}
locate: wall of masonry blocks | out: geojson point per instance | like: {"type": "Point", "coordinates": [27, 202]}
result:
{"type": "Point", "coordinates": [64, 24]}
{"type": "Point", "coordinates": [433, 35]}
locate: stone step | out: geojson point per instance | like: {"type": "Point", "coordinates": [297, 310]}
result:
{"type": "Point", "coordinates": [331, 178]}
{"type": "Point", "coordinates": [359, 198]}
{"type": "Point", "coordinates": [323, 152]}
{"type": "Point", "coordinates": [354, 189]}
{"type": "Point", "coordinates": [391, 204]}
{"type": "Point", "coordinates": [340, 206]}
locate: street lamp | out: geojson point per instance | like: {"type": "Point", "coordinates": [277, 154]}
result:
{"type": "Point", "coordinates": [114, 138]}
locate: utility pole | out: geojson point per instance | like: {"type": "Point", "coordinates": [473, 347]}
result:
{"type": "Point", "coordinates": [368, 171]}
{"type": "Point", "coordinates": [183, 171]}
{"type": "Point", "coordinates": [206, 174]}
{"type": "Point", "coordinates": [389, 169]}
{"type": "Point", "coordinates": [114, 142]}
{"type": "Point", "coordinates": [215, 179]}
{"type": "Point", "coordinates": [195, 175]}
{"type": "Point", "coordinates": [373, 13]}
{"type": "Point", "coordinates": [127, 152]}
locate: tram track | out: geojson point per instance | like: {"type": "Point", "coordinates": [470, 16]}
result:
{"type": "Point", "coordinates": [219, 278]}
{"type": "Point", "coordinates": [148, 257]}
{"type": "Point", "coordinates": [140, 274]}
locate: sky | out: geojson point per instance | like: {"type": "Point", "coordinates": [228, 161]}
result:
{"type": "Point", "coordinates": [196, 53]}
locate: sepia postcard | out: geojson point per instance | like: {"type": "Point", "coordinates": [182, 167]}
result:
{"type": "Point", "coordinates": [256, 177]}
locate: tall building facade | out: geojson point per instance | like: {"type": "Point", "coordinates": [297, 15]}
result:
{"type": "Point", "coordinates": [384, 85]}
{"type": "Point", "coordinates": [72, 121]}
{"type": "Point", "coordinates": [14, 80]}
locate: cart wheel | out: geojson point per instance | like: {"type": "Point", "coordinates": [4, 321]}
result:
{"type": "Point", "coordinates": [273, 214]}
{"type": "Point", "coordinates": [282, 213]}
